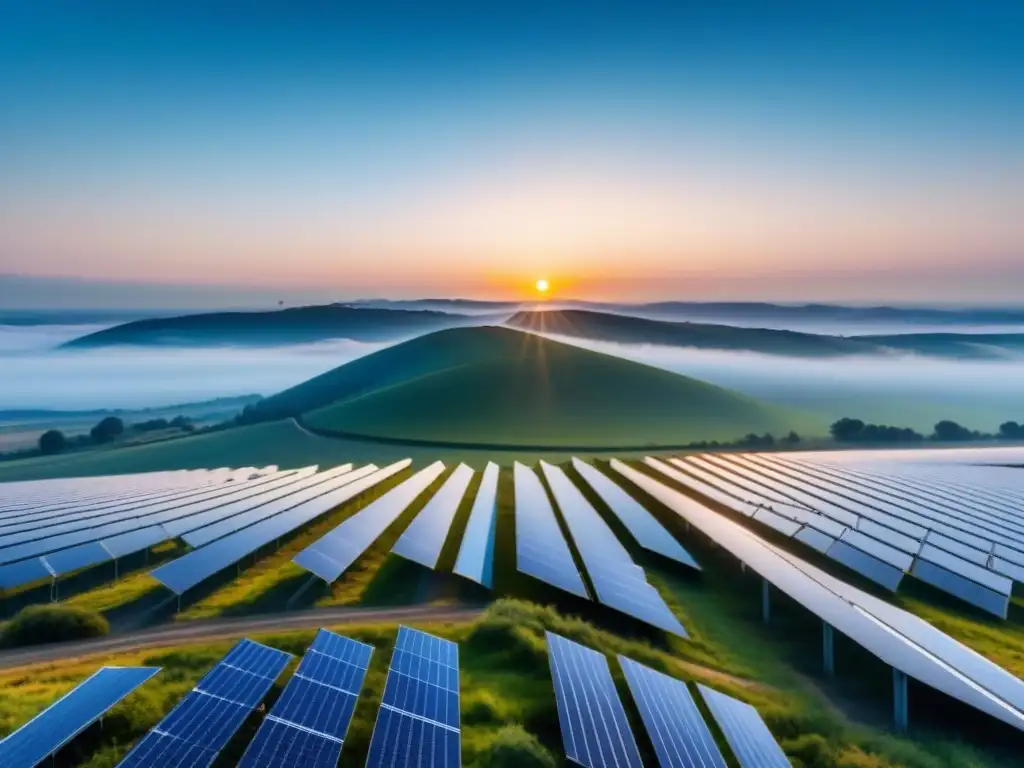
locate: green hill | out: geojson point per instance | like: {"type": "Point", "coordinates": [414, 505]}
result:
{"type": "Point", "coordinates": [287, 326]}
{"type": "Point", "coordinates": [496, 386]}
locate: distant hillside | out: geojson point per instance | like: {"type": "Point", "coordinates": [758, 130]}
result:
{"type": "Point", "coordinates": [496, 386]}
{"type": "Point", "coordinates": [286, 326]}
{"type": "Point", "coordinates": [635, 330]}
{"type": "Point", "coordinates": [602, 326]}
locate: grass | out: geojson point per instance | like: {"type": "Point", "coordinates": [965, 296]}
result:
{"type": "Point", "coordinates": [534, 391]}
{"type": "Point", "coordinates": [504, 682]}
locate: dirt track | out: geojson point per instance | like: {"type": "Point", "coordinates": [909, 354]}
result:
{"type": "Point", "coordinates": [186, 632]}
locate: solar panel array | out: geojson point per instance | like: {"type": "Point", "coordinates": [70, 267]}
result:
{"type": "Point", "coordinates": [331, 555]}
{"type": "Point", "coordinates": [48, 544]}
{"type": "Point", "coordinates": [418, 721]}
{"type": "Point", "coordinates": [675, 726]}
{"type": "Point", "coordinates": [203, 722]}
{"type": "Point", "coordinates": [899, 639]}
{"type": "Point", "coordinates": [476, 555]}
{"type": "Point", "coordinates": [748, 736]}
{"type": "Point", "coordinates": [541, 550]}
{"type": "Point", "coordinates": [640, 523]}
{"type": "Point", "coordinates": [423, 539]}
{"type": "Point", "coordinates": [307, 725]}
{"type": "Point", "coordinates": [185, 572]}
{"type": "Point", "coordinates": [595, 731]}
{"type": "Point", "coordinates": [967, 544]}
{"type": "Point", "coordinates": [618, 582]}
{"type": "Point", "coordinates": [71, 714]}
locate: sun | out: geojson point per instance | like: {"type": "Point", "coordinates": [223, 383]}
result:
{"type": "Point", "coordinates": [542, 285]}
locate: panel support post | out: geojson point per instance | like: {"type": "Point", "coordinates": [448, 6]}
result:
{"type": "Point", "coordinates": [743, 567]}
{"type": "Point", "coordinates": [901, 715]}
{"type": "Point", "coordinates": [178, 610]}
{"type": "Point", "coordinates": [115, 569]}
{"type": "Point", "coordinates": [828, 648]}
{"type": "Point", "coordinates": [766, 605]}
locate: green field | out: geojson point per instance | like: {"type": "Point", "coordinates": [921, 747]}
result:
{"type": "Point", "coordinates": [503, 387]}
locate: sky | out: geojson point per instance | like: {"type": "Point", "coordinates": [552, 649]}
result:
{"type": "Point", "coordinates": [791, 151]}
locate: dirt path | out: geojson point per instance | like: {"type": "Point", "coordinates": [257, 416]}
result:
{"type": "Point", "coordinates": [205, 630]}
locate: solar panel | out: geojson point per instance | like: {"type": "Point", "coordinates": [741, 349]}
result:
{"type": "Point", "coordinates": [71, 714]}
{"type": "Point", "coordinates": [185, 572]}
{"type": "Point", "coordinates": [595, 731]}
{"type": "Point", "coordinates": [815, 539]}
{"type": "Point", "coordinates": [748, 736]}
{"type": "Point", "coordinates": [203, 722]}
{"type": "Point", "coordinates": [641, 524]}
{"type": "Point", "coordinates": [866, 565]}
{"type": "Point", "coordinates": [675, 726]}
{"type": "Point", "coordinates": [331, 555]}
{"type": "Point", "coordinates": [307, 725]}
{"type": "Point", "coordinates": [476, 555]}
{"type": "Point", "coordinates": [618, 582]}
{"type": "Point", "coordinates": [541, 551]}
{"type": "Point", "coordinates": [418, 721]}
{"type": "Point", "coordinates": [898, 638]}
{"type": "Point", "coordinates": [423, 539]}
{"type": "Point", "coordinates": [953, 583]}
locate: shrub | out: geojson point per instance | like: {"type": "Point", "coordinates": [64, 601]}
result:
{"type": "Point", "coordinates": [52, 441]}
{"type": "Point", "coordinates": [38, 624]}
{"type": "Point", "coordinates": [513, 747]}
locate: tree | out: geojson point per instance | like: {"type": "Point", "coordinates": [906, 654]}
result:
{"type": "Point", "coordinates": [950, 432]}
{"type": "Point", "coordinates": [847, 430]}
{"type": "Point", "coordinates": [183, 423]}
{"type": "Point", "coordinates": [1011, 430]}
{"type": "Point", "coordinates": [107, 429]}
{"type": "Point", "coordinates": [791, 439]}
{"type": "Point", "coordinates": [52, 441]}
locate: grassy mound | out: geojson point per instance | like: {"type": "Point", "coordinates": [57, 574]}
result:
{"type": "Point", "coordinates": [38, 624]}
{"type": "Point", "coordinates": [498, 387]}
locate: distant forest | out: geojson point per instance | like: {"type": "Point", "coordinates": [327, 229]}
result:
{"type": "Point", "coordinates": [856, 431]}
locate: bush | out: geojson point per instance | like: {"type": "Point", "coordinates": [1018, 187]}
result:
{"type": "Point", "coordinates": [52, 441]}
{"type": "Point", "coordinates": [513, 747]}
{"type": "Point", "coordinates": [107, 429]}
{"type": "Point", "coordinates": [38, 624]}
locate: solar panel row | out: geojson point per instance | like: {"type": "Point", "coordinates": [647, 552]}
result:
{"type": "Point", "coordinates": [618, 582]}
{"type": "Point", "coordinates": [640, 523]}
{"type": "Point", "coordinates": [193, 568]}
{"type": "Point", "coordinates": [330, 556]}
{"type": "Point", "coordinates": [307, 725]}
{"type": "Point", "coordinates": [476, 555]}
{"type": "Point", "coordinates": [71, 714]}
{"type": "Point", "coordinates": [418, 720]}
{"type": "Point", "coordinates": [541, 550]}
{"type": "Point", "coordinates": [203, 722]}
{"type": "Point", "coordinates": [423, 539]}
{"type": "Point", "coordinates": [910, 645]}
{"type": "Point", "coordinates": [748, 736]}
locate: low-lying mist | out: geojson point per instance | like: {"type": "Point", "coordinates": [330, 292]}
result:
{"type": "Point", "coordinates": [33, 374]}
{"type": "Point", "coordinates": [905, 390]}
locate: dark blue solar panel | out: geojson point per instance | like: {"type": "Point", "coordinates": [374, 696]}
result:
{"type": "Point", "coordinates": [316, 706]}
{"type": "Point", "coordinates": [336, 673]}
{"type": "Point", "coordinates": [421, 698]}
{"type": "Point", "coordinates": [50, 730]}
{"type": "Point", "coordinates": [748, 736]}
{"type": "Point", "coordinates": [308, 723]}
{"type": "Point", "coordinates": [343, 648]}
{"type": "Point", "coordinates": [678, 732]}
{"type": "Point", "coordinates": [278, 744]}
{"type": "Point", "coordinates": [206, 719]}
{"type": "Point", "coordinates": [595, 731]}
{"type": "Point", "coordinates": [418, 721]}
{"type": "Point", "coordinates": [401, 740]}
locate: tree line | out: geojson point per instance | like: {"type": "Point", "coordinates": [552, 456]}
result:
{"type": "Point", "coordinates": [107, 430]}
{"type": "Point", "coordinates": [849, 430]}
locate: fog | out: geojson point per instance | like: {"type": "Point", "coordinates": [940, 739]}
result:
{"type": "Point", "coordinates": [33, 374]}
{"type": "Point", "coordinates": [903, 389]}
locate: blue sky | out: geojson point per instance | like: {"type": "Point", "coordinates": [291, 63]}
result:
{"type": "Point", "coordinates": [825, 151]}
